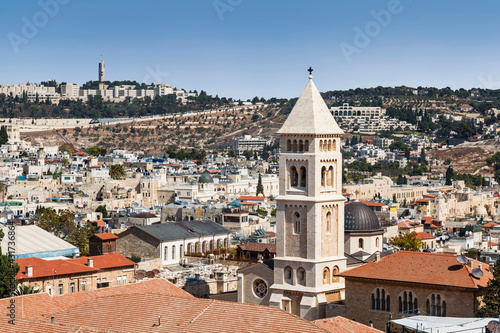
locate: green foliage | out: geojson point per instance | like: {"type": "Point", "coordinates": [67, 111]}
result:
{"type": "Point", "coordinates": [117, 171]}
{"type": "Point", "coordinates": [68, 148]}
{"type": "Point", "coordinates": [262, 212]}
{"type": "Point", "coordinates": [26, 290]}
{"type": "Point", "coordinates": [248, 154]}
{"type": "Point", "coordinates": [260, 187]}
{"type": "Point", "coordinates": [4, 137]}
{"type": "Point", "coordinates": [491, 298]}
{"type": "Point", "coordinates": [7, 270]}
{"type": "Point", "coordinates": [135, 258]}
{"type": "Point", "coordinates": [63, 225]}
{"type": "Point", "coordinates": [408, 242]}
{"type": "Point", "coordinates": [102, 209]}
{"type": "Point", "coordinates": [96, 151]}
{"type": "Point", "coordinates": [273, 212]}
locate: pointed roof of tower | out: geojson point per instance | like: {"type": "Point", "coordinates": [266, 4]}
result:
{"type": "Point", "coordinates": [310, 115]}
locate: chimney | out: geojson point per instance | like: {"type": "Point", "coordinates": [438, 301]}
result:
{"type": "Point", "coordinates": [377, 256]}
{"type": "Point", "coordinates": [480, 266]}
{"type": "Point", "coordinates": [469, 263]}
{"type": "Point", "coordinates": [90, 262]}
{"type": "Point", "coordinates": [52, 319]}
{"type": "Point", "coordinates": [29, 271]}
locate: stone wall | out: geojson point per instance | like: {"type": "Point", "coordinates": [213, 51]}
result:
{"type": "Point", "coordinates": [149, 265]}
{"type": "Point", "coordinates": [134, 242]}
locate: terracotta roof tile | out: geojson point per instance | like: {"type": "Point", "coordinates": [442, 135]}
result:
{"type": "Point", "coordinates": [258, 247]}
{"type": "Point", "coordinates": [107, 260]}
{"type": "Point", "coordinates": [343, 325]}
{"type": "Point", "coordinates": [424, 235]}
{"type": "Point", "coordinates": [422, 267]}
{"type": "Point", "coordinates": [106, 236]}
{"type": "Point", "coordinates": [46, 268]}
{"type": "Point", "coordinates": [489, 225]}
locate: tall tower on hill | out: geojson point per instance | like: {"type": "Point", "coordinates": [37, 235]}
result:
{"type": "Point", "coordinates": [310, 210]}
{"type": "Point", "coordinates": [101, 71]}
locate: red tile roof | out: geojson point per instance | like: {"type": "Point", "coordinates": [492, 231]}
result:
{"type": "Point", "coordinates": [249, 203]}
{"type": "Point", "coordinates": [106, 236]}
{"type": "Point", "coordinates": [423, 200]}
{"type": "Point", "coordinates": [422, 267]}
{"type": "Point", "coordinates": [373, 204]}
{"type": "Point", "coordinates": [136, 307]}
{"type": "Point", "coordinates": [426, 219]}
{"type": "Point", "coordinates": [80, 153]}
{"type": "Point", "coordinates": [489, 225]}
{"type": "Point", "coordinates": [429, 196]}
{"type": "Point", "coordinates": [100, 223]}
{"type": "Point", "coordinates": [47, 268]}
{"type": "Point", "coordinates": [107, 260]}
{"type": "Point", "coordinates": [249, 197]}
{"type": "Point", "coordinates": [343, 325]}
{"type": "Point", "coordinates": [424, 235]}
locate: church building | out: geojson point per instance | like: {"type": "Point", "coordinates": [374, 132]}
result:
{"type": "Point", "coordinates": [310, 214]}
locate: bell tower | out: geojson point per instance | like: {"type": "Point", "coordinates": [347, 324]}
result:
{"type": "Point", "coordinates": [310, 210]}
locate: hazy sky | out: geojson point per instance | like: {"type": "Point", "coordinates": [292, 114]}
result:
{"type": "Point", "coordinates": [247, 48]}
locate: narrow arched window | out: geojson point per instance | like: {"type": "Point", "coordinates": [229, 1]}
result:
{"type": "Point", "coordinates": [328, 222]}
{"type": "Point", "coordinates": [289, 145]}
{"type": "Point", "coordinates": [294, 176]}
{"type": "Point", "coordinates": [335, 272]}
{"type": "Point", "coordinates": [323, 176]}
{"type": "Point", "coordinates": [330, 176]}
{"type": "Point", "coordinates": [301, 146]}
{"type": "Point", "coordinates": [320, 145]}
{"type": "Point", "coordinates": [296, 223]}
{"type": "Point", "coordinates": [294, 146]}
{"type": "Point", "coordinates": [361, 243]}
{"type": "Point", "coordinates": [326, 275]}
{"type": "Point", "coordinates": [306, 145]}
{"type": "Point", "coordinates": [303, 177]}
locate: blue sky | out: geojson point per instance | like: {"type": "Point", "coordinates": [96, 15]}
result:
{"type": "Point", "coordinates": [246, 48]}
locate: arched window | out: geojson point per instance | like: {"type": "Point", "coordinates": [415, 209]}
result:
{"type": "Point", "coordinates": [326, 275]}
{"type": "Point", "coordinates": [181, 251]}
{"type": "Point", "coordinates": [328, 222]}
{"type": "Point", "coordinates": [334, 145]}
{"type": "Point", "coordinates": [303, 177]}
{"type": "Point", "coordinates": [296, 223]}
{"type": "Point", "coordinates": [335, 272]}
{"type": "Point", "coordinates": [173, 252]}
{"type": "Point", "coordinates": [380, 300]}
{"type": "Point", "coordinates": [330, 176]}
{"type": "Point", "coordinates": [165, 253]}
{"type": "Point", "coordinates": [329, 145]}
{"type": "Point", "coordinates": [301, 276]}
{"type": "Point", "coordinates": [301, 145]}
{"type": "Point", "coordinates": [306, 145]}
{"type": "Point", "coordinates": [294, 148]}
{"type": "Point", "coordinates": [435, 305]}
{"type": "Point", "coordinates": [361, 243]}
{"type": "Point", "coordinates": [377, 241]}
{"type": "Point", "coordinates": [407, 302]}
{"type": "Point", "coordinates": [288, 274]}
{"type": "Point", "coordinates": [323, 176]}
{"type": "Point", "coordinates": [320, 145]}
{"type": "Point", "coordinates": [294, 176]}
{"type": "Point", "coordinates": [289, 145]}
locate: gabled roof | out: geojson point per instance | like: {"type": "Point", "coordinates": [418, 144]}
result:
{"type": "Point", "coordinates": [422, 267]}
{"type": "Point", "coordinates": [180, 230]}
{"type": "Point", "coordinates": [258, 247]}
{"type": "Point", "coordinates": [310, 115]}
{"type": "Point", "coordinates": [250, 197]}
{"type": "Point", "coordinates": [489, 225]}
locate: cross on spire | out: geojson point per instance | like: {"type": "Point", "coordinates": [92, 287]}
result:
{"type": "Point", "coordinates": [310, 70]}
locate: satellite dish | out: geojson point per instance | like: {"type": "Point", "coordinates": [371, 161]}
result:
{"type": "Point", "coordinates": [477, 273]}
{"type": "Point", "coordinates": [150, 274]}
{"type": "Point", "coordinates": [462, 259]}
{"type": "Point", "coordinates": [135, 205]}
{"type": "Point", "coordinates": [78, 219]}
{"type": "Point", "coordinates": [139, 275]}
{"type": "Point", "coordinates": [494, 326]}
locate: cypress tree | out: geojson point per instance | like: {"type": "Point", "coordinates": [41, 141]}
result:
{"type": "Point", "coordinates": [491, 299]}
{"type": "Point", "coordinates": [260, 187]}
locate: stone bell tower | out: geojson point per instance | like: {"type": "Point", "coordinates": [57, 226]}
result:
{"type": "Point", "coordinates": [310, 210]}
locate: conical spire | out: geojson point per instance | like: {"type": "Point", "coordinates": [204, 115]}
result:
{"type": "Point", "coordinates": [310, 115]}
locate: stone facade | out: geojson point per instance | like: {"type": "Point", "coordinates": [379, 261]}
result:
{"type": "Point", "coordinates": [139, 244]}
{"type": "Point", "coordinates": [254, 282]}
{"type": "Point", "coordinates": [459, 302]}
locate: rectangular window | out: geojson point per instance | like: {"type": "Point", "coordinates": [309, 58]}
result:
{"type": "Point", "coordinates": [84, 285]}
{"type": "Point", "coordinates": [118, 280]}
{"type": "Point", "coordinates": [72, 287]}
{"type": "Point", "coordinates": [124, 279]}
{"type": "Point", "coordinates": [60, 287]}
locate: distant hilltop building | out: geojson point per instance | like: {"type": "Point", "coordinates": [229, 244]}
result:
{"type": "Point", "coordinates": [101, 72]}
{"type": "Point", "coordinates": [247, 142]}
{"type": "Point", "coordinates": [347, 110]}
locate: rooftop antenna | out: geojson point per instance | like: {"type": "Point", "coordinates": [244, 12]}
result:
{"type": "Point", "coordinates": [102, 58]}
{"type": "Point", "coordinates": [477, 273]}
{"type": "Point", "coordinates": [462, 259]}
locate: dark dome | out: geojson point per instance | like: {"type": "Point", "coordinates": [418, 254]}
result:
{"type": "Point", "coordinates": [359, 217]}
{"type": "Point", "coordinates": [205, 178]}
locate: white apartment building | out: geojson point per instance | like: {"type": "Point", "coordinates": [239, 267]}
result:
{"type": "Point", "coordinates": [347, 110]}
{"type": "Point", "coordinates": [247, 142]}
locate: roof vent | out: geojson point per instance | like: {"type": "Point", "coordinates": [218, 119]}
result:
{"type": "Point", "coordinates": [90, 262]}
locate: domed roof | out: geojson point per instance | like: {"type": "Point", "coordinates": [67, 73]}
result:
{"type": "Point", "coordinates": [359, 217]}
{"type": "Point", "coordinates": [480, 210]}
{"type": "Point", "coordinates": [205, 178]}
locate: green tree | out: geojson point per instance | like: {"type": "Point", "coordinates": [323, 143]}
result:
{"type": "Point", "coordinates": [63, 225]}
{"type": "Point", "coordinates": [102, 209]}
{"type": "Point", "coordinates": [422, 157]}
{"type": "Point", "coordinates": [248, 154]}
{"type": "Point", "coordinates": [491, 298]}
{"type": "Point", "coordinates": [408, 242]}
{"type": "Point", "coordinates": [26, 290]}
{"type": "Point", "coordinates": [4, 137]}
{"type": "Point", "coordinates": [7, 270]}
{"type": "Point", "coordinates": [116, 171]}
{"type": "Point", "coordinates": [260, 187]}
{"type": "Point", "coordinates": [449, 175]}
{"type": "Point", "coordinates": [94, 151]}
